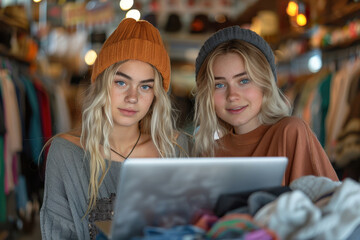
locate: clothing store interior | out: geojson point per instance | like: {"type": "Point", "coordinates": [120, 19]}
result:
{"type": "Point", "coordinates": [47, 48]}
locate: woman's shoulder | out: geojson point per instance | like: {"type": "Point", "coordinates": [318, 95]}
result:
{"type": "Point", "coordinates": [72, 137]}
{"type": "Point", "coordinates": [68, 141]}
{"type": "Point", "coordinates": [289, 127]}
{"type": "Point", "coordinates": [64, 155]}
{"type": "Point", "coordinates": [291, 123]}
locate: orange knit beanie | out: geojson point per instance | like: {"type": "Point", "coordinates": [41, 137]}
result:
{"type": "Point", "coordinates": [138, 40]}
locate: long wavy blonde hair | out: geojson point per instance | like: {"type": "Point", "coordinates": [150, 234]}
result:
{"type": "Point", "coordinates": [97, 123]}
{"type": "Point", "coordinates": [274, 105]}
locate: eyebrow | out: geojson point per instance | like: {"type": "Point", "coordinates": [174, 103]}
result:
{"type": "Point", "coordinates": [235, 76]}
{"type": "Point", "coordinates": [130, 78]}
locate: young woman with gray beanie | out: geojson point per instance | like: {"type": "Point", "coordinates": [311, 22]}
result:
{"type": "Point", "coordinates": [126, 113]}
{"type": "Point", "coordinates": [237, 98]}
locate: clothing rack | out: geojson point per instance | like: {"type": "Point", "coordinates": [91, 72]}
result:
{"type": "Point", "coordinates": [19, 205]}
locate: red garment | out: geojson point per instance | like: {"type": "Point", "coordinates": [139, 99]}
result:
{"type": "Point", "coordinates": [290, 137]}
{"type": "Point", "coordinates": [45, 113]}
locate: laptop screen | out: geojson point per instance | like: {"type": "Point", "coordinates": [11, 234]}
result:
{"type": "Point", "coordinates": [167, 192]}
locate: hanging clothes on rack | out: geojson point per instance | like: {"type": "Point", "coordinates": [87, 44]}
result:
{"type": "Point", "coordinates": [32, 108]}
{"type": "Point", "coordinates": [13, 135]}
{"type": "Point", "coordinates": [347, 154]}
{"type": "Point", "coordinates": [45, 112]}
{"type": "Point", "coordinates": [320, 107]}
{"type": "Point", "coordinates": [2, 162]}
{"type": "Point", "coordinates": [325, 99]}
{"type": "Point", "coordinates": [339, 106]}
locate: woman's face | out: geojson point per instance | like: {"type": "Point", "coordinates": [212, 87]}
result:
{"type": "Point", "coordinates": [237, 99]}
{"type": "Point", "coordinates": [132, 92]}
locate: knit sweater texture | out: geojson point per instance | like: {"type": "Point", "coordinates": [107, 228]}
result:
{"type": "Point", "coordinates": [66, 190]}
{"type": "Point", "coordinates": [290, 137]}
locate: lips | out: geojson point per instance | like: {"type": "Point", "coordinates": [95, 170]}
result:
{"type": "Point", "coordinates": [127, 112]}
{"type": "Point", "coordinates": [237, 109]}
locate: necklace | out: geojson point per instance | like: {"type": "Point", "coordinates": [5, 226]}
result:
{"type": "Point", "coordinates": [130, 151]}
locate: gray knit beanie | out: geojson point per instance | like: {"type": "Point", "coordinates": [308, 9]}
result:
{"type": "Point", "coordinates": [235, 33]}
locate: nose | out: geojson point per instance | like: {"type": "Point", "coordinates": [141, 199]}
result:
{"type": "Point", "coordinates": [131, 95]}
{"type": "Point", "coordinates": [232, 94]}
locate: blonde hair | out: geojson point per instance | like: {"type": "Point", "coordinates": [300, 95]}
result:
{"type": "Point", "coordinates": [274, 105]}
{"type": "Point", "coordinates": [97, 124]}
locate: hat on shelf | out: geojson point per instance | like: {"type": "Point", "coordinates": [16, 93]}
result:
{"type": "Point", "coordinates": [137, 40]}
{"type": "Point", "coordinates": [15, 16]}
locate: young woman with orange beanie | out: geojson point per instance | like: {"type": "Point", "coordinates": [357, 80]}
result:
{"type": "Point", "coordinates": [126, 113]}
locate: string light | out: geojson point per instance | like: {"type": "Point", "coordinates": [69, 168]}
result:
{"type": "Point", "coordinates": [133, 13]}
{"type": "Point", "coordinates": [301, 20]}
{"type": "Point", "coordinates": [90, 57]}
{"type": "Point", "coordinates": [292, 8]}
{"type": "Point", "coordinates": [315, 63]}
{"type": "Point", "coordinates": [126, 4]}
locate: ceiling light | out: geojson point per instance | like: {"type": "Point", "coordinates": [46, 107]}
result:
{"type": "Point", "coordinates": [133, 13]}
{"type": "Point", "coordinates": [301, 20]}
{"type": "Point", "coordinates": [126, 4]}
{"type": "Point", "coordinates": [90, 57]}
{"type": "Point", "coordinates": [292, 8]}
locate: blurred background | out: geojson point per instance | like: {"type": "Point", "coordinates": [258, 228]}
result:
{"type": "Point", "coordinates": [47, 48]}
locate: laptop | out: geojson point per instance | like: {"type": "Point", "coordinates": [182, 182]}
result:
{"type": "Point", "coordinates": [167, 192]}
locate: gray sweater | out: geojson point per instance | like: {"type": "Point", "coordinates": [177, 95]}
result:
{"type": "Point", "coordinates": [66, 192]}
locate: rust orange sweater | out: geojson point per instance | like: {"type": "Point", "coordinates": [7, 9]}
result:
{"type": "Point", "coordinates": [290, 137]}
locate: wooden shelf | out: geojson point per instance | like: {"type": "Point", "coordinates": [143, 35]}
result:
{"type": "Point", "coordinates": [5, 53]}
{"type": "Point", "coordinates": [342, 15]}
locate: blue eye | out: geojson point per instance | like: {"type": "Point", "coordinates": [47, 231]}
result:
{"type": "Point", "coordinates": [146, 87]}
{"type": "Point", "coordinates": [219, 85]}
{"type": "Point", "coordinates": [244, 81]}
{"type": "Point", "coordinates": [120, 83]}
